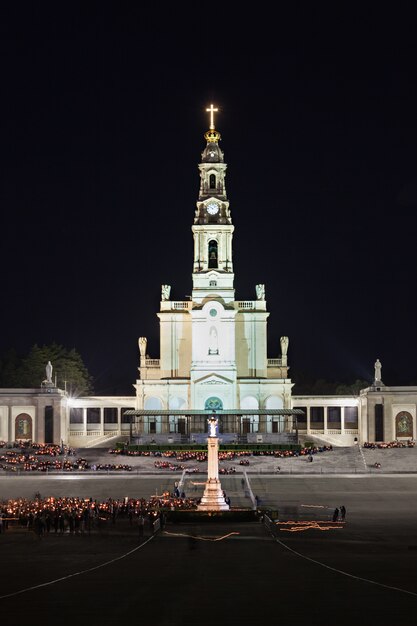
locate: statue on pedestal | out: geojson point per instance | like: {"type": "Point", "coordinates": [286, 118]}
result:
{"type": "Point", "coordinates": [213, 423]}
{"type": "Point", "coordinates": [48, 370]}
{"type": "Point", "coordinates": [165, 292]}
{"type": "Point", "coordinates": [260, 292]}
{"type": "Point", "coordinates": [378, 368]}
{"type": "Point", "coordinates": [142, 346]}
{"type": "Point", "coordinates": [284, 346]}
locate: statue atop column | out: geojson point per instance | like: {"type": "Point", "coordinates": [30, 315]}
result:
{"type": "Point", "coordinates": [165, 292]}
{"type": "Point", "coordinates": [378, 368]}
{"type": "Point", "coordinates": [260, 292]}
{"type": "Point", "coordinates": [214, 497]}
{"type": "Point", "coordinates": [213, 423]}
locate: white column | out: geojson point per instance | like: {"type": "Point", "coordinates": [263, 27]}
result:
{"type": "Point", "coordinates": [213, 458]}
{"type": "Point", "coordinates": [85, 420]}
{"type": "Point", "coordinates": [102, 420]}
{"type": "Point", "coordinates": [342, 420]}
{"type": "Point", "coordinates": [119, 420]}
{"type": "Point", "coordinates": [325, 419]}
{"type": "Point", "coordinates": [308, 420]}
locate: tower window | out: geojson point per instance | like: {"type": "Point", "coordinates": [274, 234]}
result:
{"type": "Point", "coordinates": [212, 253]}
{"type": "Point", "coordinates": [212, 181]}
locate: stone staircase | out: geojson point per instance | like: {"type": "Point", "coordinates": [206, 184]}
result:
{"type": "Point", "coordinates": [102, 441]}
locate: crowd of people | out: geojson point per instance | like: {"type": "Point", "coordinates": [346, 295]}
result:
{"type": "Point", "coordinates": [82, 515]}
{"type": "Point", "coordinates": [392, 444]}
{"type": "Point", "coordinates": [26, 456]}
{"type": "Point", "coordinates": [14, 462]}
{"type": "Point", "coordinates": [50, 449]}
{"type": "Point", "coordinates": [227, 470]}
{"type": "Point", "coordinates": [166, 465]}
{"type": "Point", "coordinates": [224, 455]}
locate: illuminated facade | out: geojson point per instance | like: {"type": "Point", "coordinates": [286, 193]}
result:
{"type": "Point", "coordinates": [212, 356]}
{"type": "Point", "coordinates": [213, 348]}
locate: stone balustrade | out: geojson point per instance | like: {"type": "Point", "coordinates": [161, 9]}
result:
{"type": "Point", "coordinates": [185, 305]}
{"type": "Point", "coordinates": [274, 362]}
{"type": "Point", "coordinates": [246, 304]}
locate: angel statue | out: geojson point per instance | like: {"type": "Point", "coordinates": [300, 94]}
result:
{"type": "Point", "coordinates": [260, 292]}
{"type": "Point", "coordinates": [165, 292]}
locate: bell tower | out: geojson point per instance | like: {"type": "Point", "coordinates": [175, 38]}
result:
{"type": "Point", "coordinates": [212, 229]}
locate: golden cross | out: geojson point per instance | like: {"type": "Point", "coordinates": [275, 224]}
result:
{"type": "Point", "coordinates": [211, 110]}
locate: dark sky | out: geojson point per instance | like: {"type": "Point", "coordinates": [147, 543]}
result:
{"type": "Point", "coordinates": [102, 123]}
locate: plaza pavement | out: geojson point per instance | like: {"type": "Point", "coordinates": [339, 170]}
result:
{"type": "Point", "coordinates": [258, 478]}
{"type": "Point", "coordinates": [362, 571]}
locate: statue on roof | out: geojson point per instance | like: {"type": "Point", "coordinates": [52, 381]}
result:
{"type": "Point", "coordinates": [48, 370]}
{"type": "Point", "coordinates": [142, 346]}
{"type": "Point", "coordinates": [378, 368]}
{"type": "Point", "coordinates": [165, 292]}
{"type": "Point", "coordinates": [260, 292]}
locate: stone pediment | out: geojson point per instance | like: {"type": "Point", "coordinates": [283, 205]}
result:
{"type": "Point", "coordinates": [213, 379]}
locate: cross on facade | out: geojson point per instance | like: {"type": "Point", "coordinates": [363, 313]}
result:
{"type": "Point", "coordinates": [211, 110]}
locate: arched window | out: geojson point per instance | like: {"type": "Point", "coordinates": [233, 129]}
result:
{"type": "Point", "coordinates": [212, 181]}
{"type": "Point", "coordinates": [249, 423]}
{"type": "Point", "coordinates": [275, 423]}
{"type": "Point", "coordinates": [212, 253]}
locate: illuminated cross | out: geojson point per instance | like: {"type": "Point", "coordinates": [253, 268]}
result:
{"type": "Point", "coordinates": [211, 110]}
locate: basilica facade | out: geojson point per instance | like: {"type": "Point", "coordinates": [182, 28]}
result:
{"type": "Point", "coordinates": [213, 348]}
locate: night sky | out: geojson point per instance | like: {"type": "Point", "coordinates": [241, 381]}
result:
{"type": "Point", "coordinates": [102, 124]}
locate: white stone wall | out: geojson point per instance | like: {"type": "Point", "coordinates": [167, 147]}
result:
{"type": "Point", "coordinates": [4, 423]}
{"type": "Point", "coordinates": [213, 338]}
{"type": "Point", "coordinates": [175, 344]}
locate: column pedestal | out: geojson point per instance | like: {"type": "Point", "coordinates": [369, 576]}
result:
{"type": "Point", "coordinates": [213, 499]}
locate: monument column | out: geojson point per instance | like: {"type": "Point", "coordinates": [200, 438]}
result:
{"type": "Point", "coordinates": [213, 498]}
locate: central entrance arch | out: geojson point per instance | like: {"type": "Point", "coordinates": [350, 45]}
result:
{"type": "Point", "coordinates": [213, 404]}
